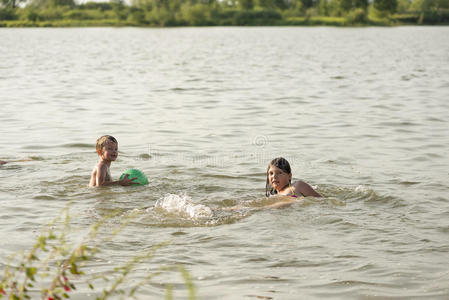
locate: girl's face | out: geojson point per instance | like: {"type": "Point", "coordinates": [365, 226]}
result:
{"type": "Point", "coordinates": [277, 178]}
{"type": "Point", "coordinates": [109, 151]}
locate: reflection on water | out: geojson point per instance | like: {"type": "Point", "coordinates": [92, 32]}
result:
{"type": "Point", "coordinates": [358, 112]}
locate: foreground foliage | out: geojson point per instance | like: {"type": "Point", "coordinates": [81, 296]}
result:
{"type": "Point", "coordinates": [54, 264]}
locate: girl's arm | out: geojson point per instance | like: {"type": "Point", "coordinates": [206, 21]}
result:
{"type": "Point", "coordinates": [305, 189]}
{"type": "Point", "coordinates": [282, 203]}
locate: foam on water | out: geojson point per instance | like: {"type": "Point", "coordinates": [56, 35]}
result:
{"type": "Point", "coordinates": [362, 189]}
{"type": "Point", "coordinates": [183, 205]}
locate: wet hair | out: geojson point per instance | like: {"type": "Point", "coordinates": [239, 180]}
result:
{"type": "Point", "coordinates": [101, 141]}
{"type": "Point", "coordinates": [282, 164]}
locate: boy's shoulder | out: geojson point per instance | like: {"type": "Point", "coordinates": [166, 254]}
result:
{"type": "Point", "coordinates": [101, 166]}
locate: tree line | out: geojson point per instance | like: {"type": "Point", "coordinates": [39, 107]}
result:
{"type": "Point", "coordinates": [222, 12]}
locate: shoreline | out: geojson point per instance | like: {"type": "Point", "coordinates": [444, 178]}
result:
{"type": "Point", "coordinates": [296, 22]}
{"type": "Point", "coordinates": [108, 15]}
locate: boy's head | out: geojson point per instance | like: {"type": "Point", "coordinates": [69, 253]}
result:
{"type": "Point", "coordinates": [102, 141]}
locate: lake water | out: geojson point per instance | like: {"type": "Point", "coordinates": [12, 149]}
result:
{"type": "Point", "coordinates": [360, 113]}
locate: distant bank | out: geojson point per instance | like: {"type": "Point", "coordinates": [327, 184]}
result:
{"type": "Point", "coordinates": [169, 13]}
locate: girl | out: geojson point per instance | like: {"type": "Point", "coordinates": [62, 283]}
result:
{"type": "Point", "coordinates": [279, 181]}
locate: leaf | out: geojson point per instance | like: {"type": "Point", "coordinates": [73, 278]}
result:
{"type": "Point", "coordinates": [74, 269]}
{"type": "Point", "coordinates": [168, 292]}
{"type": "Point", "coordinates": [42, 242]}
{"type": "Point", "coordinates": [91, 286]}
{"type": "Point", "coordinates": [30, 272]}
{"type": "Point", "coordinates": [51, 235]}
{"type": "Point", "coordinates": [34, 257]}
{"type": "Point", "coordinates": [188, 282]}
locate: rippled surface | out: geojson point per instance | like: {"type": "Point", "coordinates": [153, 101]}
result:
{"type": "Point", "coordinates": [361, 114]}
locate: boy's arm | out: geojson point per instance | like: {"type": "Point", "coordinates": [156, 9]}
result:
{"type": "Point", "coordinates": [102, 175]}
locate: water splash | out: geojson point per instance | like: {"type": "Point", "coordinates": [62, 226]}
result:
{"type": "Point", "coordinates": [363, 189]}
{"type": "Point", "coordinates": [183, 205]}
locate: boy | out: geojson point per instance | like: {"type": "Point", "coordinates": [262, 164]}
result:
{"type": "Point", "coordinates": [107, 150]}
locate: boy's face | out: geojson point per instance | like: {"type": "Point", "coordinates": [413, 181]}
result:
{"type": "Point", "coordinates": [109, 151]}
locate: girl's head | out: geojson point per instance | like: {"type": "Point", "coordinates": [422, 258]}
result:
{"type": "Point", "coordinates": [279, 175]}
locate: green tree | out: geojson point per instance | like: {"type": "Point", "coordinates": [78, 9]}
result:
{"type": "Point", "coordinates": [196, 15]}
{"type": "Point", "coordinates": [404, 6]}
{"type": "Point", "coordinates": [281, 4]}
{"type": "Point", "coordinates": [386, 6]}
{"type": "Point", "coordinates": [363, 4]}
{"type": "Point", "coordinates": [143, 4]}
{"type": "Point", "coordinates": [296, 5]}
{"type": "Point", "coordinates": [209, 2]}
{"type": "Point", "coordinates": [432, 11]}
{"type": "Point", "coordinates": [8, 13]}
{"type": "Point", "coordinates": [159, 4]}
{"type": "Point", "coordinates": [246, 4]}
{"type": "Point", "coordinates": [54, 3]}
{"type": "Point", "coordinates": [306, 4]}
{"type": "Point", "coordinates": [269, 4]}
{"type": "Point", "coordinates": [346, 5]}
{"type": "Point", "coordinates": [334, 8]}
{"type": "Point", "coordinates": [10, 3]}
{"type": "Point", "coordinates": [322, 8]}
{"type": "Point", "coordinates": [432, 5]}
{"type": "Point", "coordinates": [51, 3]}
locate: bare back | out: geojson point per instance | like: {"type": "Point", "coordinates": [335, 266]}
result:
{"type": "Point", "coordinates": [100, 174]}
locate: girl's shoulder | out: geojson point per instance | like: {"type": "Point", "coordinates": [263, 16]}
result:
{"type": "Point", "coordinates": [299, 184]}
{"type": "Point", "coordinates": [303, 188]}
